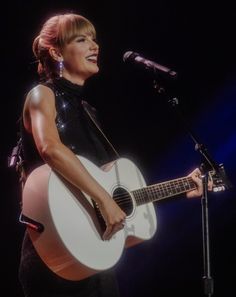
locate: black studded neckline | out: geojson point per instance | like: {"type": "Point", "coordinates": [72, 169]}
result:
{"type": "Point", "coordinates": [64, 85]}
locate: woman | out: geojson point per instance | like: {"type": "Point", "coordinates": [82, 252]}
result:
{"type": "Point", "coordinates": [55, 129]}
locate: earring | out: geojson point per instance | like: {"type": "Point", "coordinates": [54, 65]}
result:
{"type": "Point", "coordinates": [61, 66]}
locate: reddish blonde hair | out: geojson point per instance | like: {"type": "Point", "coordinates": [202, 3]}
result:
{"type": "Point", "coordinates": [56, 32]}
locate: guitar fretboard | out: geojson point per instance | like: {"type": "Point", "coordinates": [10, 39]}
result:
{"type": "Point", "coordinates": [163, 190]}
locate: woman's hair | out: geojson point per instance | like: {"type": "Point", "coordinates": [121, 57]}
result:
{"type": "Point", "coordinates": [56, 32]}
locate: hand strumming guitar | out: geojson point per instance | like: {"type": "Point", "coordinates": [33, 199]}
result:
{"type": "Point", "coordinates": [113, 216]}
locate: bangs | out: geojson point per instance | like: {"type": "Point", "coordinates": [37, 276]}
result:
{"type": "Point", "coordinates": [72, 26]}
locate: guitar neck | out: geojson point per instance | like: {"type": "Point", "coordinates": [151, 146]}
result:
{"type": "Point", "coordinates": [163, 190]}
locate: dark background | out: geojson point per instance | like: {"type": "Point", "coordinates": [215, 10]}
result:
{"type": "Point", "coordinates": [195, 38]}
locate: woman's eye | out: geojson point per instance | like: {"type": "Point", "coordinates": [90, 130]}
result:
{"type": "Point", "coordinates": [81, 40]}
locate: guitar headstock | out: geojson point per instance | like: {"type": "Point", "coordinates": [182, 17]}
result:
{"type": "Point", "coordinates": [219, 179]}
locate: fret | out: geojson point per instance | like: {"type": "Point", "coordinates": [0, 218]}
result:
{"type": "Point", "coordinates": [163, 190]}
{"type": "Point", "coordinates": [137, 196]}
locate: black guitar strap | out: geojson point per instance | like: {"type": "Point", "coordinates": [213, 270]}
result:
{"type": "Point", "coordinates": [91, 112]}
{"type": "Point", "coordinates": [15, 159]}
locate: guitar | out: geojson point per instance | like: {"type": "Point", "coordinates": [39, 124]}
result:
{"type": "Point", "coordinates": [66, 226]}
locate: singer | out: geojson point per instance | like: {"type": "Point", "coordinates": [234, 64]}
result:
{"type": "Point", "coordinates": [58, 126]}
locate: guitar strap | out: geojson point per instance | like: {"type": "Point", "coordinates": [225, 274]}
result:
{"type": "Point", "coordinates": [91, 112]}
{"type": "Point", "coordinates": [15, 159]}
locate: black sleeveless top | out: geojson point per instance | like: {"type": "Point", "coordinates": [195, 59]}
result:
{"type": "Point", "coordinates": [76, 129]}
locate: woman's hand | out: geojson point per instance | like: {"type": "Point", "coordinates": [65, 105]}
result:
{"type": "Point", "coordinates": [197, 178]}
{"type": "Point", "coordinates": [113, 216]}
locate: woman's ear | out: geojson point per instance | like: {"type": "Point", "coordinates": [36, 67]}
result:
{"type": "Point", "coordinates": [55, 54]}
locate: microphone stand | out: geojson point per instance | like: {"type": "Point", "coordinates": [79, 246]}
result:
{"type": "Point", "coordinates": [207, 164]}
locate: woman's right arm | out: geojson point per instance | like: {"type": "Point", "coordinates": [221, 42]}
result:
{"type": "Point", "coordinates": [39, 119]}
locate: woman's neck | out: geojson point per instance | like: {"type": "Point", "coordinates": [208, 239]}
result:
{"type": "Point", "coordinates": [74, 79]}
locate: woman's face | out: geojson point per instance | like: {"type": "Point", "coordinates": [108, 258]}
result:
{"type": "Point", "coordinates": [80, 58]}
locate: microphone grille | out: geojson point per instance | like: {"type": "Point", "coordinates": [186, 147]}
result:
{"type": "Point", "coordinates": [127, 55]}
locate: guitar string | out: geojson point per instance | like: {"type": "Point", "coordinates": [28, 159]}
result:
{"type": "Point", "coordinates": [127, 201]}
{"type": "Point", "coordinates": [124, 199]}
{"type": "Point", "coordinates": [166, 188]}
{"type": "Point", "coordinates": [153, 190]}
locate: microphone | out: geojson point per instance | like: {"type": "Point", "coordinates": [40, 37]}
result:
{"type": "Point", "coordinates": [148, 65]}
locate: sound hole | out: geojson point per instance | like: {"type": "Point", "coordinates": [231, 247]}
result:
{"type": "Point", "coordinates": [124, 200]}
